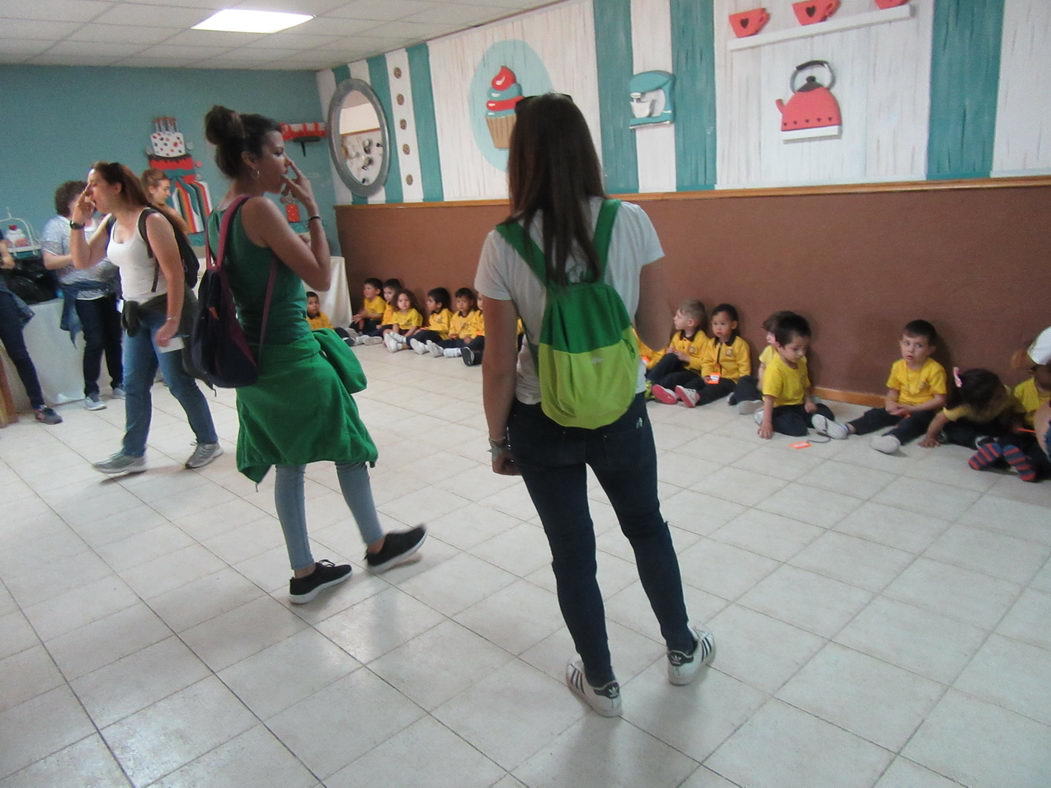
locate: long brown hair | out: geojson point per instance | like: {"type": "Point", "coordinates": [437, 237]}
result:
{"type": "Point", "coordinates": [553, 169]}
{"type": "Point", "coordinates": [131, 188]}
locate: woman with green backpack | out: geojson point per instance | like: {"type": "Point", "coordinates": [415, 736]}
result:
{"type": "Point", "coordinates": [576, 266]}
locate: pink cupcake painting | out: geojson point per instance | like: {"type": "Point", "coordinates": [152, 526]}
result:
{"type": "Point", "coordinates": [504, 94]}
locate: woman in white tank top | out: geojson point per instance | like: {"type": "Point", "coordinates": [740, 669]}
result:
{"type": "Point", "coordinates": [154, 291]}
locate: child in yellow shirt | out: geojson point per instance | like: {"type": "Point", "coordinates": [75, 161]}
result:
{"type": "Point", "coordinates": [315, 317]}
{"type": "Point", "coordinates": [372, 306]}
{"type": "Point", "coordinates": [405, 318]}
{"type": "Point", "coordinates": [726, 359]}
{"type": "Point", "coordinates": [466, 329]}
{"type": "Point", "coordinates": [374, 336]}
{"type": "Point", "coordinates": [748, 394]}
{"type": "Point", "coordinates": [680, 362]}
{"type": "Point", "coordinates": [916, 391]}
{"type": "Point", "coordinates": [788, 401]}
{"type": "Point", "coordinates": [438, 318]}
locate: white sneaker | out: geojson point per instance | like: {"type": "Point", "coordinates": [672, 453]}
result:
{"type": "Point", "coordinates": [372, 340]}
{"type": "Point", "coordinates": [434, 348]}
{"type": "Point", "coordinates": [452, 352]}
{"type": "Point", "coordinates": [687, 397]}
{"type": "Point", "coordinates": [749, 406]}
{"type": "Point", "coordinates": [399, 338]}
{"type": "Point", "coordinates": [204, 454]}
{"type": "Point", "coordinates": [352, 336]}
{"type": "Point", "coordinates": [683, 668]}
{"type": "Point", "coordinates": [418, 346]}
{"type": "Point", "coordinates": [605, 700]}
{"type": "Point", "coordinates": [120, 463]}
{"type": "Point", "coordinates": [391, 344]}
{"type": "Point", "coordinates": [825, 426]}
{"type": "Point", "coordinates": [887, 444]}
{"type": "Point", "coordinates": [92, 402]}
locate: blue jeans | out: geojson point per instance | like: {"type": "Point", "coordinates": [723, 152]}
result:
{"type": "Point", "coordinates": [141, 360]}
{"type": "Point", "coordinates": [553, 460]}
{"type": "Point", "coordinates": [291, 508]}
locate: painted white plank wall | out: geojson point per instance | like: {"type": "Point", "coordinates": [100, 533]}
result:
{"type": "Point", "coordinates": [563, 38]}
{"type": "Point", "coordinates": [882, 86]}
{"type": "Point", "coordinates": [1023, 116]}
{"type": "Point", "coordinates": [651, 51]}
{"type": "Point", "coordinates": [409, 162]}
{"type": "Point", "coordinates": [326, 86]}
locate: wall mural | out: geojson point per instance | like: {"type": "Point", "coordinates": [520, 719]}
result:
{"type": "Point", "coordinates": [170, 153]}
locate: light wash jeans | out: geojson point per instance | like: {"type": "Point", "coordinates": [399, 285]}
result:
{"type": "Point", "coordinates": [291, 508]}
{"type": "Point", "coordinates": [141, 360]}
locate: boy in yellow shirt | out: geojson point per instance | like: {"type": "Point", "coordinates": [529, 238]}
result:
{"type": "Point", "coordinates": [466, 328]}
{"type": "Point", "coordinates": [726, 359]}
{"type": "Point", "coordinates": [315, 317]}
{"type": "Point", "coordinates": [374, 336]}
{"type": "Point", "coordinates": [679, 364]}
{"type": "Point", "coordinates": [788, 401]}
{"type": "Point", "coordinates": [372, 306]}
{"type": "Point", "coordinates": [916, 390]}
{"type": "Point", "coordinates": [748, 395]}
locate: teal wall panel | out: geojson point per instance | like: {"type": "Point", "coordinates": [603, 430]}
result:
{"type": "Point", "coordinates": [426, 126]}
{"type": "Point", "coordinates": [693, 63]}
{"type": "Point", "coordinates": [615, 68]}
{"type": "Point", "coordinates": [965, 77]}
{"type": "Point", "coordinates": [381, 84]}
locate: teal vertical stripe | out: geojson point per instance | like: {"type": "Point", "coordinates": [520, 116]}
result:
{"type": "Point", "coordinates": [341, 73]}
{"type": "Point", "coordinates": [381, 84]}
{"type": "Point", "coordinates": [426, 126]}
{"type": "Point", "coordinates": [614, 56]}
{"type": "Point", "coordinates": [965, 76]}
{"type": "Point", "coordinates": [693, 63]}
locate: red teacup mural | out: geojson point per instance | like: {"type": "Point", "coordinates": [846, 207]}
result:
{"type": "Point", "coordinates": [748, 23]}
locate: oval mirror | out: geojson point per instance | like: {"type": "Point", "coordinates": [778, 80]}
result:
{"type": "Point", "coordinates": [358, 137]}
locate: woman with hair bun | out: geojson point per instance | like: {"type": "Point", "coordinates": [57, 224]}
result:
{"type": "Point", "coordinates": [300, 410]}
{"type": "Point", "coordinates": [154, 293]}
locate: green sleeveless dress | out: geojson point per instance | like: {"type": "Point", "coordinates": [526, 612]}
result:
{"type": "Point", "coordinates": [301, 409]}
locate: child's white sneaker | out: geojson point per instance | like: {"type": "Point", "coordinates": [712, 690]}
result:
{"type": "Point", "coordinates": [399, 338]}
{"type": "Point", "coordinates": [887, 444]}
{"type": "Point", "coordinates": [418, 346]}
{"type": "Point", "coordinates": [825, 426]}
{"type": "Point", "coordinates": [372, 340]}
{"type": "Point", "coordinates": [434, 348]}
{"type": "Point", "coordinates": [452, 352]}
{"type": "Point", "coordinates": [391, 344]}
{"type": "Point", "coordinates": [687, 397]}
{"type": "Point", "coordinates": [662, 394]}
{"type": "Point", "coordinates": [749, 406]}
{"type": "Point", "coordinates": [352, 336]}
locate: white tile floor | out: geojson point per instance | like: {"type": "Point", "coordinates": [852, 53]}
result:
{"type": "Point", "coordinates": [879, 620]}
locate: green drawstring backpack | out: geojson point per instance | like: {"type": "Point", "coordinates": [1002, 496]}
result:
{"type": "Point", "coordinates": [587, 358]}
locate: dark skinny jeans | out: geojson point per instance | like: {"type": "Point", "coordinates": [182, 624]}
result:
{"type": "Point", "coordinates": [554, 460]}
{"type": "Point", "coordinates": [794, 420]}
{"type": "Point", "coordinates": [14, 344]}
{"type": "Point", "coordinates": [906, 428]}
{"type": "Point", "coordinates": [102, 335]}
{"type": "Point", "coordinates": [670, 372]}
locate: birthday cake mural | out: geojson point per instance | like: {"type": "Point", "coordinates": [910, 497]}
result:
{"type": "Point", "coordinates": [504, 94]}
{"type": "Point", "coordinates": [168, 152]}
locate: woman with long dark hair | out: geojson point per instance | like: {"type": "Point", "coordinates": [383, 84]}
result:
{"type": "Point", "coordinates": [300, 410]}
{"type": "Point", "coordinates": [556, 197]}
{"type": "Point", "coordinates": [154, 291]}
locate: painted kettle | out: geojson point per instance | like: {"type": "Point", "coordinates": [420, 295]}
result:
{"type": "Point", "coordinates": [812, 111]}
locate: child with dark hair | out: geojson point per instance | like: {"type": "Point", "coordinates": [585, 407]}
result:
{"type": "Point", "coordinates": [466, 329]}
{"type": "Point", "coordinates": [748, 395]}
{"type": "Point", "coordinates": [916, 390]}
{"type": "Point", "coordinates": [679, 364]}
{"type": "Point", "coordinates": [315, 317]}
{"type": "Point", "coordinates": [404, 318]}
{"type": "Point", "coordinates": [374, 336]}
{"type": "Point", "coordinates": [726, 359]}
{"type": "Point", "coordinates": [788, 401]}
{"type": "Point", "coordinates": [372, 306]}
{"type": "Point", "coordinates": [439, 317]}
{"type": "Point", "coordinates": [978, 408]}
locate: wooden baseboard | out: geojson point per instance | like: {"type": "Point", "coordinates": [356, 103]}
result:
{"type": "Point", "coordinates": [853, 397]}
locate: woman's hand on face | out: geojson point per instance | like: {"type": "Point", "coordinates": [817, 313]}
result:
{"type": "Point", "coordinates": [298, 186]}
{"type": "Point", "coordinates": [83, 208]}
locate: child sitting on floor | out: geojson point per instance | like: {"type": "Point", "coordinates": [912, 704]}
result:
{"type": "Point", "coordinates": [374, 336]}
{"type": "Point", "coordinates": [315, 317]}
{"type": "Point", "coordinates": [404, 319]}
{"type": "Point", "coordinates": [916, 390]}
{"type": "Point", "coordinates": [372, 306]}
{"type": "Point", "coordinates": [788, 401]}
{"type": "Point", "coordinates": [748, 394]}
{"type": "Point", "coordinates": [466, 328]}
{"type": "Point", "coordinates": [680, 362]}
{"type": "Point", "coordinates": [438, 318]}
{"type": "Point", "coordinates": [978, 408]}
{"type": "Point", "coordinates": [726, 359]}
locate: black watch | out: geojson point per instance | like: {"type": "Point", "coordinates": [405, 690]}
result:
{"type": "Point", "coordinates": [75, 225]}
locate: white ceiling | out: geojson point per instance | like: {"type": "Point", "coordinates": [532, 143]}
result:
{"type": "Point", "coordinates": [156, 33]}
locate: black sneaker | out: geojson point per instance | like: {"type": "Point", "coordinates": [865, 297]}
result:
{"type": "Point", "coordinates": [467, 356]}
{"type": "Point", "coordinates": [326, 574]}
{"type": "Point", "coordinates": [46, 415]}
{"type": "Point", "coordinates": [397, 547]}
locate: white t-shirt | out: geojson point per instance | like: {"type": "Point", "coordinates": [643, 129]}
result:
{"type": "Point", "coordinates": [504, 276]}
{"type": "Point", "coordinates": [137, 268]}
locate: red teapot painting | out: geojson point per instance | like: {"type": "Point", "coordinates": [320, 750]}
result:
{"type": "Point", "coordinates": [812, 111]}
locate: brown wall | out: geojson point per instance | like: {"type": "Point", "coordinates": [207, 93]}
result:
{"type": "Point", "coordinates": [974, 261]}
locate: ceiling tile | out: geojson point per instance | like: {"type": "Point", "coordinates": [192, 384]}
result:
{"type": "Point", "coordinates": [141, 61]}
{"type": "Point", "coordinates": [214, 38]}
{"type": "Point", "coordinates": [366, 43]}
{"type": "Point", "coordinates": [334, 27]}
{"type": "Point", "coordinates": [256, 56]}
{"type": "Point", "coordinates": [312, 7]}
{"type": "Point", "coordinates": [459, 15]}
{"type": "Point", "coordinates": [20, 49]}
{"type": "Point", "coordinates": [414, 31]}
{"type": "Point", "coordinates": [154, 16]}
{"type": "Point", "coordinates": [69, 10]}
{"type": "Point", "coordinates": [381, 10]}
{"type": "Point", "coordinates": [179, 52]}
{"type": "Point", "coordinates": [212, 5]}
{"type": "Point", "coordinates": [119, 33]}
{"type": "Point", "coordinates": [294, 41]}
{"type": "Point", "coordinates": [48, 59]}
{"type": "Point", "coordinates": [95, 49]}
{"type": "Point", "coordinates": [44, 31]}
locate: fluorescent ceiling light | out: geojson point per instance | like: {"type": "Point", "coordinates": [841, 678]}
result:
{"type": "Point", "coordinates": [237, 20]}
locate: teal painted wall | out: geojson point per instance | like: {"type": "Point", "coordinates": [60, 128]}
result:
{"type": "Point", "coordinates": [58, 120]}
{"type": "Point", "coordinates": [614, 56]}
{"type": "Point", "coordinates": [693, 59]}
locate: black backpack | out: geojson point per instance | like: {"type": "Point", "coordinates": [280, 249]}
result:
{"type": "Point", "coordinates": [190, 264]}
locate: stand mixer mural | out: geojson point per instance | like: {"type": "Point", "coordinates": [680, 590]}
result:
{"type": "Point", "coordinates": [168, 153]}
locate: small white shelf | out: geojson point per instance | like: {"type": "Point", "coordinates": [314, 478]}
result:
{"type": "Point", "coordinates": [833, 25]}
